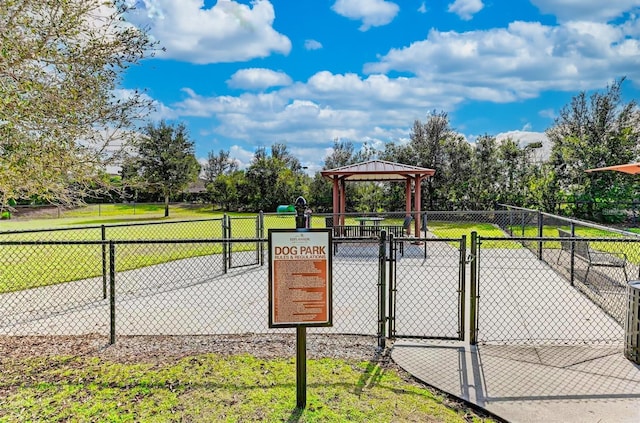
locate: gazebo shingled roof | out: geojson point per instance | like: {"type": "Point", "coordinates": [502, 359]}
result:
{"type": "Point", "coordinates": [377, 170]}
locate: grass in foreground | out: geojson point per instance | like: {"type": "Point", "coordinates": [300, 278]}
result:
{"type": "Point", "coordinates": [212, 388]}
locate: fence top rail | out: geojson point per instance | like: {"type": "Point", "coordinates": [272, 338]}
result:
{"type": "Point", "coordinates": [590, 225]}
{"type": "Point", "coordinates": [241, 217]}
{"type": "Point", "coordinates": [556, 238]}
{"type": "Point", "coordinates": [115, 225]}
{"type": "Point", "coordinates": [31, 231]}
{"type": "Point", "coordinates": [354, 240]}
{"type": "Point", "coordinates": [517, 208]}
{"type": "Point", "coordinates": [140, 241]}
{"type": "Point", "coordinates": [430, 240]}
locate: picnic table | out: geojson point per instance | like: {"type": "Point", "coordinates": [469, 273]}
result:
{"type": "Point", "coordinates": [366, 229]}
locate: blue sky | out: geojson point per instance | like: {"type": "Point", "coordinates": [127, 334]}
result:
{"type": "Point", "coordinates": [247, 74]}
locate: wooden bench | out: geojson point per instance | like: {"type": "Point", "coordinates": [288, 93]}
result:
{"type": "Point", "coordinates": [582, 251]}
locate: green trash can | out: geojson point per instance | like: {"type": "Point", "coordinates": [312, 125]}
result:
{"type": "Point", "coordinates": [632, 324]}
{"type": "Point", "coordinates": [286, 209]}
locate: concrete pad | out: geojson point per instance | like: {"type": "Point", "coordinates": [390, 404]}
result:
{"type": "Point", "coordinates": [530, 383]}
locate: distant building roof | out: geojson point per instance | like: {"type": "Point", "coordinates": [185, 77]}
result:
{"type": "Point", "coordinates": [197, 187]}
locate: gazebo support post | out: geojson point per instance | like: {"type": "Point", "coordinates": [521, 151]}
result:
{"type": "Point", "coordinates": [417, 201]}
{"type": "Point", "coordinates": [407, 195]}
{"type": "Point", "coordinates": [343, 200]}
{"type": "Point", "coordinates": [336, 201]}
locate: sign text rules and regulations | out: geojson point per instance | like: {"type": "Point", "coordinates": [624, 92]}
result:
{"type": "Point", "coordinates": [300, 278]}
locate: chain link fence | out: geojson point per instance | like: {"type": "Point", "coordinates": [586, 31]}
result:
{"type": "Point", "coordinates": [427, 286]}
{"type": "Point", "coordinates": [522, 299]}
{"type": "Point", "coordinates": [165, 287]}
{"type": "Point", "coordinates": [568, 285]}
{"type": "Point", "coordinates": [530, 282]}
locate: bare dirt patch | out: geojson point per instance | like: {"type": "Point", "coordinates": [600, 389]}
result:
{"type": "Point", "coordinates": [162, 348]}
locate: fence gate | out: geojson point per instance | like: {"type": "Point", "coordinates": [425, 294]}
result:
{"type": "Point", "coordinates": [240, 253]}
{"type": "Point", "coordinates": [426, 279]}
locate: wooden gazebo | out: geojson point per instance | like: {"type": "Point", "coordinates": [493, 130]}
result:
{"type": "Point", "coordinates": [378, 170]}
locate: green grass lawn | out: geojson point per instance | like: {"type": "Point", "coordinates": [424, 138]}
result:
{"type": "Point", "coordinates": [457, 229]}
{"type": "Point", "coordinates": [27, 266]}
{"type": "Point", "coordinates": [631, 250]}
{"type": "Point", "coordinates": [211, 388]}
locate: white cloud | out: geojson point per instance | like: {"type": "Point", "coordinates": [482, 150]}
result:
{"type": "Point", "coordinates": [227, 32]}
{"type": "Point", "coordinates": [591, 10]}
{"type": "Point", "coordinates": [547, 113]}
{"type": "Point", "coordinates": [422, 8]}
{"type": "Point", "coordinates": [440, 72]}
{"type": "Point", "coordinates": [518, 62]}
{"type": "Point", "coordinates": [258, 79]}
{"type": "Point", "coordinates": [323, 108]}
{"type": "Point", "coordinates": [241, 155]}
{"type": "Point", "coordinates": [312, 45]}
{"type": "Point", "coordinates": [465, 9]}
{"type": "Point", "coordinates": [370, 12]}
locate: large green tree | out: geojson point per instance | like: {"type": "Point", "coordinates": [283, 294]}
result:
{"type": "Point", "coordinates": [218, 164]}
{"type": "Point", "coordinates": [227, 189]}
{"type": "Point", "coordinates": [595, 131]}
{"type": "Point", "coordinates": [274, 179]}
{"type": "Point", "coordinates": [61, 119]}
{"type": "Point", "coordinates": [456, 171]}
{"type": "Point", "coordinates": [427, 142]}
{"type": "Point", "coordinates": [221, 179]}
{"type": "Point", "coordinates": [165, 160]}
{"type": "Point", "coordinates": [484, 183]}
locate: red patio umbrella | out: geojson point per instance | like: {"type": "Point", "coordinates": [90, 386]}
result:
{"type": "Point", "coordinates": [632, 168]}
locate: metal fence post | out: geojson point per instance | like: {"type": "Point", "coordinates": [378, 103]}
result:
{"type": "Point", "coordinates": [511, 221]}
{"type": "Point", "coordinates": [112, 293]}
{"type": "Point", "coordinates": [103, 237]}
{"type": "Point", "coordinates": [225, 245]}
{"type": "Point", "coordinates": [572, 262]}
{"type": "Point", "coordinates": [462, 286]}
{"type": "Point", "coordinates": [382, 263]}
{"type": "Point", "coordinates": [473, 308]}
{"type": "Point", "coordinates": [391, 282]}
{"type": "Point", "coordinates": [261, 236]}
{"type": "Point", "coordinates": [540, 230]}
{"type": "Point", "coordinates": [257, 232]}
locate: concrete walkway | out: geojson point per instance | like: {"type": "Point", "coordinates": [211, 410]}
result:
{"type": "Point", "coordinates": [530, 383]}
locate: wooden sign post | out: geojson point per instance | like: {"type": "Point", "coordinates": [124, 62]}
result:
{"type": "Point", "coordinates": [300, 289]}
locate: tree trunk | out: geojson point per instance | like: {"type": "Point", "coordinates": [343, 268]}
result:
{"type": "Point", "coordinates": [166, 205]}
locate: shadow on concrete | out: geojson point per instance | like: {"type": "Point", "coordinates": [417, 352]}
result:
{"type": "Point", "coordinates": [524, 383]}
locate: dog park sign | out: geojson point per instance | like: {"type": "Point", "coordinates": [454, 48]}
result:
{"type": "Point", "coordinates": [300, 289]}
{"type": "Point", "coordinates": [300, 268]}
